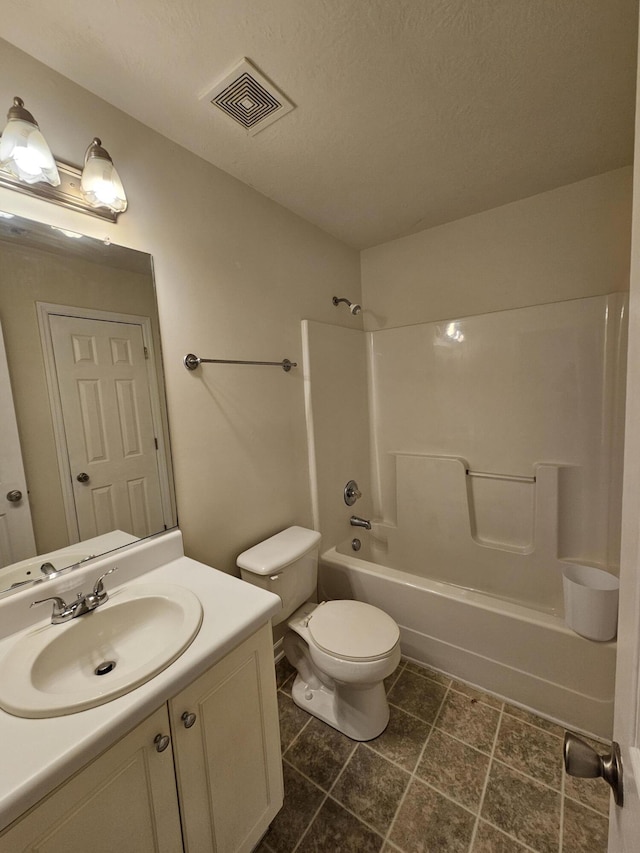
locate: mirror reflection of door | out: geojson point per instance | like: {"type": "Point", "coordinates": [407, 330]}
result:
{"type": "Point", "coordinates": [104, 396]}
{"type": "Point", "coordinates": [16, 530]}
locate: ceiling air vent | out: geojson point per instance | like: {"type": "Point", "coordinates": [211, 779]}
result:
{"type": "Point", "coordinates": [249, 98]}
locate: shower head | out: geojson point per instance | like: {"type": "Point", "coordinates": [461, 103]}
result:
{"type": "Point", "coordinates": [353, 306]}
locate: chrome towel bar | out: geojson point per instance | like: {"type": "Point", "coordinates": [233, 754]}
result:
{"type": "Point", "coordinates": [515, 478]}
{"type": "Point", "coordinates": [192, 361]}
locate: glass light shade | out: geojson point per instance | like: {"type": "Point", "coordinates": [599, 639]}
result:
{"type": "Point", "coordinates": [23, 149]}
{"type": "Point", "coordinates": [101, 185]}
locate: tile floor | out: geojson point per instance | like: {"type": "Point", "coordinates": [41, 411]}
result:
{"type": "Point", "coordinates": [456, 770]}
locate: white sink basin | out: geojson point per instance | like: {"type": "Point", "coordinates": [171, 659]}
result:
{"type": "Point", "coordinates": [53, 671]}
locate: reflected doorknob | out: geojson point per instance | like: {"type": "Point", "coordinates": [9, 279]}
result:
{"type": "Point", "coordinates": [14, 496]}
{"type": "Point", "coordinates": [82, 477]}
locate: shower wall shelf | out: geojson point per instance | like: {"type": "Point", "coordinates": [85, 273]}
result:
{"type": "Point", "coordinates": [191, 362]}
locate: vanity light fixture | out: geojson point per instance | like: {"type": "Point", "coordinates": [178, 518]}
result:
{"type": "Point", "coordinates": [27, 166]}
{"type": "Point", "coordinates": [101, 185]}
{"type": "Point", "coordinates": [23, 149]}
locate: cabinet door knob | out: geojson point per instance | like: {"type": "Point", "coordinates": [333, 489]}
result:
{"type": "Point", "coordinates": [188, 719]}
{"type": "Point", "coordinates": [161, 742]}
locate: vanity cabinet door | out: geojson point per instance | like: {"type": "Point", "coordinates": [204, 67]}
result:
{"type": "Point", "coordinates": [228, 762]}
{"type": "Point", "coordinates": [123, 802]}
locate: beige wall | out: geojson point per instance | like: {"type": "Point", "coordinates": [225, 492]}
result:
{"type": "Point", "coordinates": [235, 274]}
{"type": "Point", "coordinates": [567, 243]}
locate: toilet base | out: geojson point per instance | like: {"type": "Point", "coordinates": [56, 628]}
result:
{"type": "Point", "coordinates": [360, 713]}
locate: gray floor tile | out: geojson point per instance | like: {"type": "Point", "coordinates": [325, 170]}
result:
{"type": "Point", "coordinates": [390, 680]}
{"type": "Point", "coordinates": [417, 695]}
{"type": "Point", "coordinates": [320, 753]}
{"type": "Point", "coordinates": [371, 787]}
{"type": "Point", "coordinates": [454, 762]}
{"type": "Point", "coordinates": [523, 808]}
{"type": "Point", "coordinates": [490, 840]}
{"type": "Point", "coordinates": [292, 719]}
{"type": "Point", "coordinates": [455, 769]}
{"type": "Point", "coordinates": [590, 792]}
{"type": "Point", "coordinates": [302, 800]}
{"type": "Point", "coordinates": [284, 671]}
{"type": "Point", "coordinates": [478, 695]}
{"type": "Point", "coordinates": [530, 750]}
{"type": "Point", "coordinates": [336, 831]}
{"type": "Point", "coordinates": [425, 671]}
{"type": "Point", "coordinates": [403, 739]}
{"type": "Point", "coordinates": [469, 720]}
{"type": "Point", "coordinates": [534, 720]}
{"type": "Point", "coordinates": [427, 822]}
{"type": "Point", "coordinates": [584, 830]}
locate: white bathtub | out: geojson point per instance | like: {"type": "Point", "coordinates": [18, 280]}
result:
{"type": "Point", "coordinates": [527, 657]}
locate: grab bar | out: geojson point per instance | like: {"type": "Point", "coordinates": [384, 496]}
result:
{"type": "Point", "coordinates": [514, 478]}
{"type": "Point", "coordinates": [192, 361]}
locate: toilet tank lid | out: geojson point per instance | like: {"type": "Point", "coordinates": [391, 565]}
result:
{"type": "Point", "coordinates": [279, 551]}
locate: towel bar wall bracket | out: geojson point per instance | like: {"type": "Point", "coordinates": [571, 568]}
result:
{"type": "Point", "coordinates": [191, 362]}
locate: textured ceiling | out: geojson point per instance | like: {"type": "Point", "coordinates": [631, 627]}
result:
{"type": "Point", "coordinates": [409, 113]}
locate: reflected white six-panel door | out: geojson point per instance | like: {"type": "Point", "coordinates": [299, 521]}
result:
{"type": "Point", "coordinates": [104, 394]}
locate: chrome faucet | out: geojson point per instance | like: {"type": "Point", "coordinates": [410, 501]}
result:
{"type": "Point", "coordinates": [63, 612]}
{"type": "Point", "coordinates": [355, 521]}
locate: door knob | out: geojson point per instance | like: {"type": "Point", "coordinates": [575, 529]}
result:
{"type": "Point", "coordinates": [14, 496]}
{"type": "Point", "coordinates": [82, 477]}
{"type": "Point", "coordinates": [583, 761]}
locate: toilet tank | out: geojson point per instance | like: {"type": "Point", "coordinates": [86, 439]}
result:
{"type": "Point", "coordinates": [286, 564]}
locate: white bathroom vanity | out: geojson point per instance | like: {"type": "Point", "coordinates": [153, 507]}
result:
{"type": "Point", "coordinates": [188, 760]}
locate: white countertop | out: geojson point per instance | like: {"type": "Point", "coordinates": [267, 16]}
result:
{"type": "Point", "coordinates": [39, 754]}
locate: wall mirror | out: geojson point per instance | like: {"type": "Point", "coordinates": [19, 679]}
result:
{"type": "Point", "coordinates": [85, 463]}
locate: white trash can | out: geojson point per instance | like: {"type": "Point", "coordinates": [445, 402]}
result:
{"type": "Point", "coordinates": [590, 601]}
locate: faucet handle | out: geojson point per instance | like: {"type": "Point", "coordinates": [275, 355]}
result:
{"type": "Point", "coordinates": [59, 605]}
{"type": "Point", "coordinates": [98, 588]}
{"type": "Point", "coordinates": [351, 493]}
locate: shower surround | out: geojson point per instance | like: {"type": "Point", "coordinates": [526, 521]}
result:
{"type": "Point", "coordinates": [489, 452]}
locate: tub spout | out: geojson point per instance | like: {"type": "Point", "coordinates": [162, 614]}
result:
{"type": "Point", "coordinates": [355, 521]}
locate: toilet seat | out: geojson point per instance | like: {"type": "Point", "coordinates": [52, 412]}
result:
{"type": "Point", "coordinates": [353, 630]}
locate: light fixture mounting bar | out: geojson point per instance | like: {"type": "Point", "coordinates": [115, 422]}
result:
{"type": "Point", "coordinates": [68, 194]}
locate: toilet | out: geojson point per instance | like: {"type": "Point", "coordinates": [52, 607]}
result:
{"type": "Point", "coordinates": [342, 650]}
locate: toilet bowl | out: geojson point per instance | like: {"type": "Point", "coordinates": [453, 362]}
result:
{"type": "Point", "coordinates": [342, 650]}
{"type": "Point", "coordinates": [341, 673]}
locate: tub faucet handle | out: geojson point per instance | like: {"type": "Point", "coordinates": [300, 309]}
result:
{"type": "Point", "coordinates": [351, 493]}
